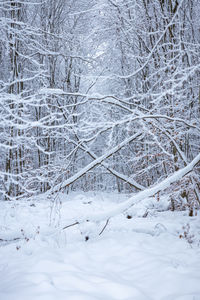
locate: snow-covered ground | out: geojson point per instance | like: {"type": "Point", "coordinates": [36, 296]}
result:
{"type": "Point", "coordinates": [154, 255]}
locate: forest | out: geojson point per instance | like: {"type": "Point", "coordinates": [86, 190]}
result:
{"type": "Point", "coordinates": [99, 135]}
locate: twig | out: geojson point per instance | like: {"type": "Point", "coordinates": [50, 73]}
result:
{"type": "Point", "coordinates": [76, 223]}
{"type": "Point", "coordinates": [15, 239]}
{"type": "Point", "coordinates": [104, 227]}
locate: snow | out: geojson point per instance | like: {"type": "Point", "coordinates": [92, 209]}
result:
{"type": "Point", "coordinates": [141, 258]}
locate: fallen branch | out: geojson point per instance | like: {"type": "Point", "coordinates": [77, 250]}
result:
{"type": "Point", "coordinates": [94, 163]}
{"type": "Point", "coordinates": [121, 176]}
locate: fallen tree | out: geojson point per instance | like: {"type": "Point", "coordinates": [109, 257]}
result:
{"type": "Point", "coordinates": [121, 208]}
